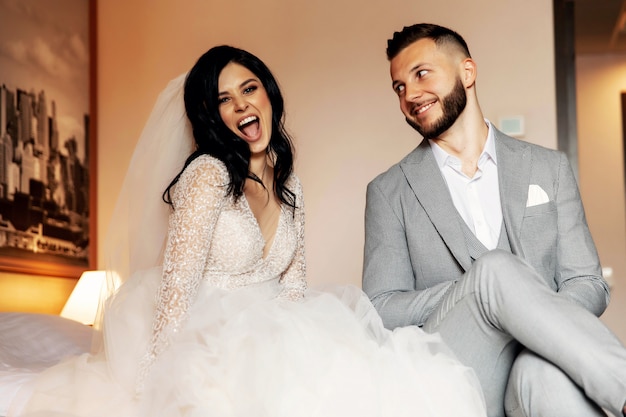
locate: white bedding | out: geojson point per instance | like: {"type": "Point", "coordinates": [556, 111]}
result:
{"type": "Point", "coordinates": [32, 342]}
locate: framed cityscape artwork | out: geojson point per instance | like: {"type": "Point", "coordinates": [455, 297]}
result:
{"type": "Point", "coordinates": [623, 102]}
{"type": "Point", "coordinates": [47, 137]}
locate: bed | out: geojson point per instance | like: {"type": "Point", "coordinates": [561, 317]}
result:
{"type": "Point", "coordinates": [31, 342]}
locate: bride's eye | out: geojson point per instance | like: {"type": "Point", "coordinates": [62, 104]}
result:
{"type": "Point", "coordinates": [250, 89]}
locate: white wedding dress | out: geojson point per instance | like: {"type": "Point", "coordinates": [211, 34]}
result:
{"type": "Point", "coordinates": [220, 330]}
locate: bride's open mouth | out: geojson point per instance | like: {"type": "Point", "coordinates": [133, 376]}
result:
{"type": "Point", "coordinates": [250, 127]}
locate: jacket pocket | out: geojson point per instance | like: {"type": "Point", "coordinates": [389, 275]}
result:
{"type": "Point", "coordinates": [540, 209]}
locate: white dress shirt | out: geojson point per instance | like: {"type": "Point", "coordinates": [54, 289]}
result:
{"type": "Point", "coordinates": [477, 199]}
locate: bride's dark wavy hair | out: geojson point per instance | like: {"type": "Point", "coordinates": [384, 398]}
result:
{"type": "Point", "coordinates": [214, 138]}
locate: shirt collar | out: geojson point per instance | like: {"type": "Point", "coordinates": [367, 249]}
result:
{"type": "Point", "coordinates": [489, 151]}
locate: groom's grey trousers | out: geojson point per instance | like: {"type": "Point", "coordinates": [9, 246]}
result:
{"type": "Point", "coordinates": [570, 364]}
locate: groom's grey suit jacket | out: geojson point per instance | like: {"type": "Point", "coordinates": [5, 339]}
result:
{"type": "Point", "coordinates": [415, 248]}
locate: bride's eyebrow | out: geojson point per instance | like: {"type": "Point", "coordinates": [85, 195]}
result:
{"type": "Point", "coordinates": [243, 84]}
{"type": "Point", "coordinates": [251, 80]}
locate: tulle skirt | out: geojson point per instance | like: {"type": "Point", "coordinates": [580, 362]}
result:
{"type": "Point", "coordinates": [246, 353]}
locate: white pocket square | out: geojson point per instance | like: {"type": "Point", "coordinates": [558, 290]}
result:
{"type": "Point", "coordinates": [536, 196]}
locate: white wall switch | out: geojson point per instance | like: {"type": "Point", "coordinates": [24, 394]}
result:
{"type": "Point", "coordinates": [512, 125]}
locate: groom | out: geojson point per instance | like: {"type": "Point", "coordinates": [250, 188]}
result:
{"type": "Point", "coordinates": [482, 238]}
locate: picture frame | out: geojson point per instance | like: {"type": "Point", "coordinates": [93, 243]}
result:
{"type": "Point", "coordinates": [48, 145]}
{"type": "Point", "coordinates": [623, 110]}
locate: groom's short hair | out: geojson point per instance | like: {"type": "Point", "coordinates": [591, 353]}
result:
{"type": "Point", "coordinates": [410, 34]}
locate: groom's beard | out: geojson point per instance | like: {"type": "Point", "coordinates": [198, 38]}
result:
{"type": "Point", "coordinates": [452, 106]}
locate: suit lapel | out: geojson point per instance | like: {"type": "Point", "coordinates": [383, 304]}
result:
{"type": "Point", "coordinates": [428, 185]}
{"type": "Point", "coordinates": [514, 162]}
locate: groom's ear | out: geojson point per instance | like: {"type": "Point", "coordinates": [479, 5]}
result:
{"type": "Point", "coordinates": [469, 72]}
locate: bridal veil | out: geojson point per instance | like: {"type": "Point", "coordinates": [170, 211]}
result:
{"type": "Point", "coordinates": [137, 232]}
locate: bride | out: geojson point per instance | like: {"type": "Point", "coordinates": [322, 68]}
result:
{"type": "Point", "coordinates": [214, 317]}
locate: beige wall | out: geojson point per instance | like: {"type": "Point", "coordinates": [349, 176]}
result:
{"type": "Point", "coordinates": [328, 56]}
{"type": "Point", "coordinates": [329, 59]}
{"type": "Point", "coordinates": [600, 80]}
{"type": "Point", "coordinates": [34, 294]}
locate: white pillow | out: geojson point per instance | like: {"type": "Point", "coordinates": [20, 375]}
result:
{"type": "Point", "coordinates": [29, 340]}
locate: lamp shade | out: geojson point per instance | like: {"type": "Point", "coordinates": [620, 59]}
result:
{"type": "Point", "coordinates": [82, 305]}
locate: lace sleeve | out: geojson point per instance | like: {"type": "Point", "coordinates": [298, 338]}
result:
{"type": "Point", "coordinates": [198, 199]}
{"type": "Point", "coordinates": [294, 278]}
